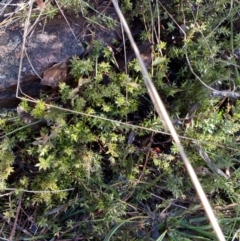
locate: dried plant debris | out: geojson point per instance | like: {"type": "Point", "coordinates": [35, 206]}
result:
{"type": "Point", "coordinates": [56, 74]}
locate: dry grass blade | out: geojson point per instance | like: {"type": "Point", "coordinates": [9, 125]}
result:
{"type": "Point", "coordinates": [18, 227]}
{"type": "Point", "coordinates": [16, 218]}
{"type": "Point", "coordinates": [23, 47]}
{"type": "Point", "coordinates": [165, 117]}
{"type": "Point", "coordinates": [211, 165]}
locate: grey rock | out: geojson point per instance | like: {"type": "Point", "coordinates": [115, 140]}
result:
{"type": "Point", "coordinates": [46, 45]}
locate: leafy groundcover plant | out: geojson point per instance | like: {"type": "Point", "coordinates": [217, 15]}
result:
{"type": "Point", "coordinates": [95, 162]}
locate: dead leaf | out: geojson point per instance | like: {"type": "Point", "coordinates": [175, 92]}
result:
{"type": "Point", "coordinates": [40, 3]}
{"type": "Point", "coordinates": [56, 74]}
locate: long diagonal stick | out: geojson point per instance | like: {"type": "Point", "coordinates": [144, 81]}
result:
{"type": "Point", "coordinates": [158, 104]}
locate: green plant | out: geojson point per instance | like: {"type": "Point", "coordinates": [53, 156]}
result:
{"type": "Point", "coordinates": [99, 166]}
